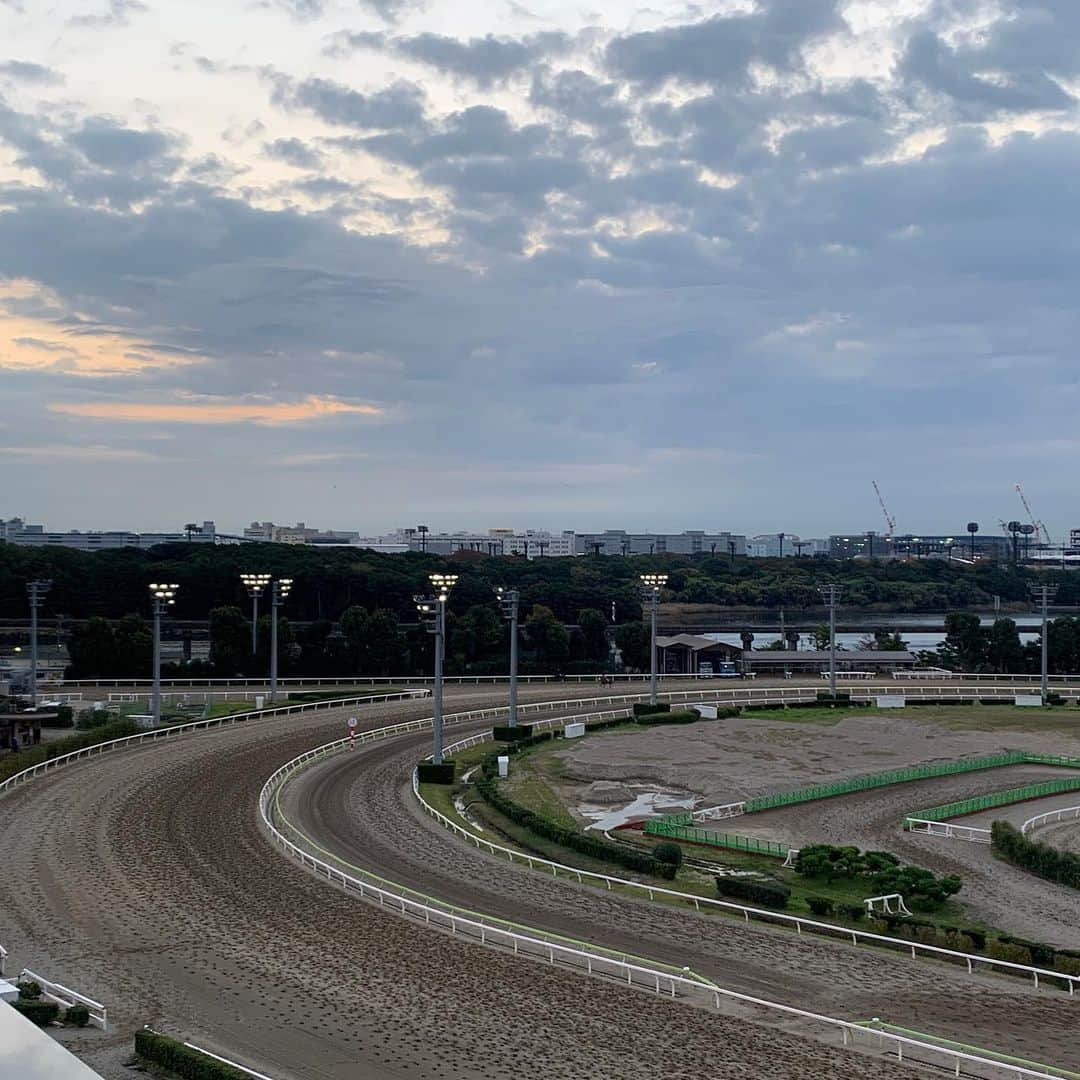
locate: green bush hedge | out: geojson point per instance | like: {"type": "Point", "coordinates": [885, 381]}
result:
{"type": "Point", "coordinates": [77, 1015]}
{"type": "Point", "coordinates": [668, 852]}
{"type": "Point", "coordinates": [1042, 859]}
{"type": "Point", "coordinates": [820, 905]}
{"type": "Point", "coordinates": [880, 869]}
{"type": "Point", "coordinates": [427, 772]}
{"type": "Point", "coordinates": [770, 894]}
{"type": "Point", "coordinates": [38, 1012]}
{"type": "Point", "coordinates": [179, 1059]}
{"type": "Point", "coordinates": [35, 755]}
{"type": "Point", "coordinates": [512, 734]}
{"type": "Point", "coordinates": [684, 716]}
{"type": "Point", "coordinates": [595, 847]}
{"type": "Point", "coordinates": [644, 708]}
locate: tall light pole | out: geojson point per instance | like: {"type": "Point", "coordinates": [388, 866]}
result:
{"type": "Point", "coordinates": [255, 584]}
{"type": "Point", "coordinates": [432, 611]}
{"type": "Point", "coordinates": [831, 594]}
{"type": "Point", "coordinates": [651, 585]}
{"type": "Point", "coordinates": [35, 593]}
{"type": "Point", "coordinates": [1044, 594]}
{"type": "Point", "coordinates": [508, 602]}
{"type": "Point", "coordinates": [279, 593]}
{"type": "Point", "coordinates": [163, 596]}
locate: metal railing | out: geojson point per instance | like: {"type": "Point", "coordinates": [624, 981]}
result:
{"type": "Point", "coordinates": [649, 975]}
{"type": "Point", "coordinates": [3, 960]}
{"type": "Point", "coordinates": [63, 995]}
{"type": "Point", "coordinates": [1039, 820]}
{"type": "Point", "coordinates": [691, 833]}
{"type": "Point", "coordinates": [972, 833]}
{"type": "Point", "coordinates": [992, 801]}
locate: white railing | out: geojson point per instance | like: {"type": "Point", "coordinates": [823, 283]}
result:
{"type": "Point", "coordinates": [915, 948]}
{"type": "Point", "coordinates": [949, 829]}
{"type": "Point", "coordinates": [1068, 813]}
{"type": "Point", "coordinates": [649, 975]}
{"type": "Point", "coordinates": [227, 1061]}
{"type": "Point", "coordinates": [3, 960]}
{"type": "Point", "coordinates": [62, 995]}
{"type": "Point", "coordinates": [719, 813]}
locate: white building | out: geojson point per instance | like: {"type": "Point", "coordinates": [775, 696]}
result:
{"type": "Point", "coordinates": [267, 532]}
{"type": "Point", "coordinates": [769, 545]}
{"type": "Point", "coordinates": [1074, 539]}
{"type": "Point", "coordinates": [17, 531]}
{"type": "Point", "coordinates": [691, 542]}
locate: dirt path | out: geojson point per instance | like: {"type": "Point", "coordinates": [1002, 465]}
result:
{"type": "Point", "coordinates": [361, 807]}
{"type": "Point", "coordinates": [143, 879]}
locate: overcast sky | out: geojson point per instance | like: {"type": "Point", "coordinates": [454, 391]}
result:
{"type": "Point", "coordinates": [367, 263]}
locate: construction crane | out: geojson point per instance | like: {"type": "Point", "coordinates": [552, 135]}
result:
{"type": "Point", "coordinates": [1038, 525]}
{"type": "Point", "coordinates": [890, 521]}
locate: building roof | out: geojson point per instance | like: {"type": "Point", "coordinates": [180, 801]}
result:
{"type": "Point", "coordinates": [867, 656]}
{"type": "Point", "coordinates": [694, 642]}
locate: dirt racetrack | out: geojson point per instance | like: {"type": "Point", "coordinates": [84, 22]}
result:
{"type": "Point", "coordinates": [360, 806]}
{"type": "Point", "coordinates": [143, 880]}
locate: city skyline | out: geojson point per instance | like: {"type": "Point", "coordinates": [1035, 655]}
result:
{"type": "Point", "coordinates": [328, 260]}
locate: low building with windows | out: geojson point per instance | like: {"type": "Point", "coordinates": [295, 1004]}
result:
{"type": "Point", "coordinates": [17, 531]}
{"type": "Point", "coordinates": [690, 654]}
{"type": "Point", "coordinates": [691, 542]}
{"type": "Point", "coordinates": [780, 661]}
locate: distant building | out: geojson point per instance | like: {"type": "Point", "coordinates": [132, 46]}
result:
{"type": "Point", "coordinates": [17, 531]}
{"type": "Point", "coordinates": [768, 546]}
{"type": "Point", "coordinates": [692, 542]}
{"type": "Point", "coordinates": [1074, 539]}
{"type": "Point", "coordinates": [689, 654]}
{"type": "Point", "coordinates": [268, 533]}
{"type": "Point", "coordinates": [912, 545]}
{"type": "Point", "coordinates": [531, 543]}
{"type": "Point", "coordinates": [777, 661]}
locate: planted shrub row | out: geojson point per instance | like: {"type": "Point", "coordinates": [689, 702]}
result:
{"type": "Point", "coordinates": [35, 755]}
{"type": "Point", "coordinates": [180, 1059]}
{"type": "Point", "coordinates": [770, 894]}
{"type": "Point", "coordinates": [684, 716]}
{"type": "Point", "coordinates": [1042, 859]}
{"type": "Point", "coordinates": [37, 1011]}
{"type": "Point", "coordinates": [644, 708]}
{"type": "Point", "coordinates": [512, 734]}
{"type": "Point", "coordinates": [595, 847]}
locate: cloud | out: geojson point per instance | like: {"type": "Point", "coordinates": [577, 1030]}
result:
{"type": "Point", "coordinates": [119, 13]}
{"type": "Point", "coordinates": [293, 152]}
{"type": "Point", "coordinates": [27, 73]}
{"type": "Point", "coordinates": [211, 411]}
{"type": "Point", "coordinates": [400, 105]}
{"type": "Point", "coordinates": [76, 452]}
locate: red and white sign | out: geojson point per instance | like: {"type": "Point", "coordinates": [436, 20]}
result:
{"type": "Point", "coordinates": [352, 730]}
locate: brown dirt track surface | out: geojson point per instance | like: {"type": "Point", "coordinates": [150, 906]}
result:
{"type": "Point", "coordinates": [361, 807]}
{"type": "Point", "coordinates": [143, 879]}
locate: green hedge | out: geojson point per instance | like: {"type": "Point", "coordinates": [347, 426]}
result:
{"type": "Point", "coordinates": [180, 1059]}
{"type": "Point", "coordinates": [645, 708]}
{"type": "Point", "coordinates": [35, 755]}
{"type": "Point", "coordinates": [684, 716]}
{"type": "Point", "coordinates": [427, 772]}
{"type": "Point", "coordinates": [1042, 859]}
{"type": "Point", "coordinates": [595, 847]}
{"type": "Point", "coordinates": [770, 894]}
{"type": "Point", "coordinates": [37, 1011]}
{"type": "Point", "coordinates": [512, 734]}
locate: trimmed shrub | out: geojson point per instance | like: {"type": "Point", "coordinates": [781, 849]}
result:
{"type": "Point", "coordinates": [684, 716]}
{"type": "Point", "coordinates": [855, 912]}
{"type": "Point", "coordinates": [1068, 965]}
{"type": "Point", "coordinates": [770, 894]}
{"type": "Point", "coordinates": [668, 852]}
{"type": "Point", "coordinates": [645, 708]}
{"type": "Point", "coordinates": [29, 991]}
{"type": "Point", "coordinates": [512, 734]}
{"type": "Point", "coordinates": [180, 1059]}
{"type": "Point", "coordinates": [427, 772]}
{"type": "Point", "coordinates": [1014, 954]}
{"type": "Point", "coordinates": [1041, 955]}
{"type": "Point", "coordinates": [77, 1016]}
{"type": "Point", "coordinates": [1054, 699]}
{"type": "Point", "coordinates": [38, 1012]}
{"type": "Point", "coordinates": [840, 696]}
{"type": "Point", "coordinates": [1038, 858]}
{"type": "Point", "coordinates": [64, 718]}
{"type": "Point", "coordinates": [820, 905]}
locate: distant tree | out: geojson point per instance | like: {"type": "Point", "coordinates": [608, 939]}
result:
{"type": "Point", "coordinates": [134, 646]}
{"type": "Point", "coordinates": [594, 640]}
{"type": "Point", "coordinates": [1062, 640]}
{"type": "Point", "coordinates": [92, 649]}
{"type": "Point", "coordinates": [633, 641]}
{"type": "Point", "coordinates": [883, 641]}
{"type": "Point", "coordinates": [548, 638]}
{"type": "Point", "coordinates": [1005, 653]}
{"type": "Point", "coordinates": [820, 634]}
{"type": "Point", "coordinates": [373, 640]}
{"type": "Point", "coordinates": [230, 641]}
{"type": "Point", "coordinates": [966, 643]}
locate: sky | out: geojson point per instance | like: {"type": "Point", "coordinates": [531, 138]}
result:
{"type": "Point", "coordinates": [532, 263]}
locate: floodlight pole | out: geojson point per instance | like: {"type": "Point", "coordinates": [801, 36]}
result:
{"type": "Point", "coordinates": [35, 592]}
{"type": "Point", "coordinates": [433, 614]}
{"type": "Point", "coordinates": [652, 584]}
{"type": "Point", "coordinates": [509, 600]}
{"type": "Point", "coordinates": [831, 592]}
{"type": "Point", "coordinates": [1044, 594]}
{"type": "Point", "coordinates": [163, 597]}
{"type": "Point", "coordinates": [279, 593]}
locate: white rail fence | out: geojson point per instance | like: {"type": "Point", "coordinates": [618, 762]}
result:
{"type": "Point", "coordinates": [228, 1061]}
{"type": "Point", "coordinates": [1051, 817]}
{"type": "Point", "coordinates": [857, 936]}
{"type": "Point", "coordinates": [647, 975]}
{"type": "Point", "coordinates": [3, 961]}
{"type": "Point", "coordinates": [972, 833]}
{"type": "Point", "coordinates": [63, 995]}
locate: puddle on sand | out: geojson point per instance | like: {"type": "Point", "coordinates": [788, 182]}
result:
{"type": "Point", "coordinates": [647, 804]}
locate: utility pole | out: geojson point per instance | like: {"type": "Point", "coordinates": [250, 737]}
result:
{"type": "Point", "coordinates": [1044, 594]}
{"type": "Point", "coordinates": [831, 594]}
{"type": "Point", "coordinates": [432, 611]}
{"type": "Point", "coordinates": [508, 602]}
{"type": "Point", "coordinates": [35, 592]}
{"type": "Point", "coordinates": [279, 593]}
{"type": "Point", "coordinates": [651, 586]}
{"type": "Point", "coordinates": [255, 583]}
{"type": "Point", "coordinates": [164, 596]}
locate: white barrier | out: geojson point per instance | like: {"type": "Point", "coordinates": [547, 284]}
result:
{"type": "Point", "coordinates": [949, 829]}
{"type": "Point", "coordinates": [227, 1061]}
{"type": "Point", "coordinates": [648, 975]}
{"type": "Point", "coordinates": [719, 813]}
{"type": "Point", "coordinates": [3, 961]}
{"type": "Point", "coordinates": [891, 904]}
{"type": "Point", "coordinates": [62, 995]}
{"type": "Point", "coordinates": [1051, 817]}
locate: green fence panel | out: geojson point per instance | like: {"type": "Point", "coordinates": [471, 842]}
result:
{"type": "Point", "coordinates": [995, 799]}
{"type": "Point", "coordinates": [665, 827]}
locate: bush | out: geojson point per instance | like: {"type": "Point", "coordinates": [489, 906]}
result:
{"type": "Point", "coordinates": [595, 847]}
{"type": "Point", "coordinates": [512, 734]}
{"type": "Point", "coordinates": [684, 716]}
{"type": "Point", "coordinates": [1054, 699]}
{"type": "Point", "coordinates": [1069, 965]}
{"type": "Point", "coordinates": [855, 912]}
{"type": "Point", "coordinates": [668, 852]}
{"type": "Point", "coordinates": [29, 991]}
{"type": "Point", "coordinates": [181, 1060]}
{"type": "Point", "coordinates": [1041, 859]}
{"type": "Point", "coordinates": [881, 868]}
{"type": "Point", "coordinates": [1014, 954]}
{"type": "Point", "coordinates": [1041, 955]}
{"type": "Point", "coordinates": [820, 905]}
{"type": "Point", "coordinates": [427, 772]}
{"type": "Point", "coordinates": [770, 894]}
{"type": "Point", "coordinates": [38, 1012]}
{"type": "Point", "coordinates": [645, 708]}
{"type": "Point", "coordinates": [64, 718]}
{"type": "Point", "coordinates": [77, 1016]}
